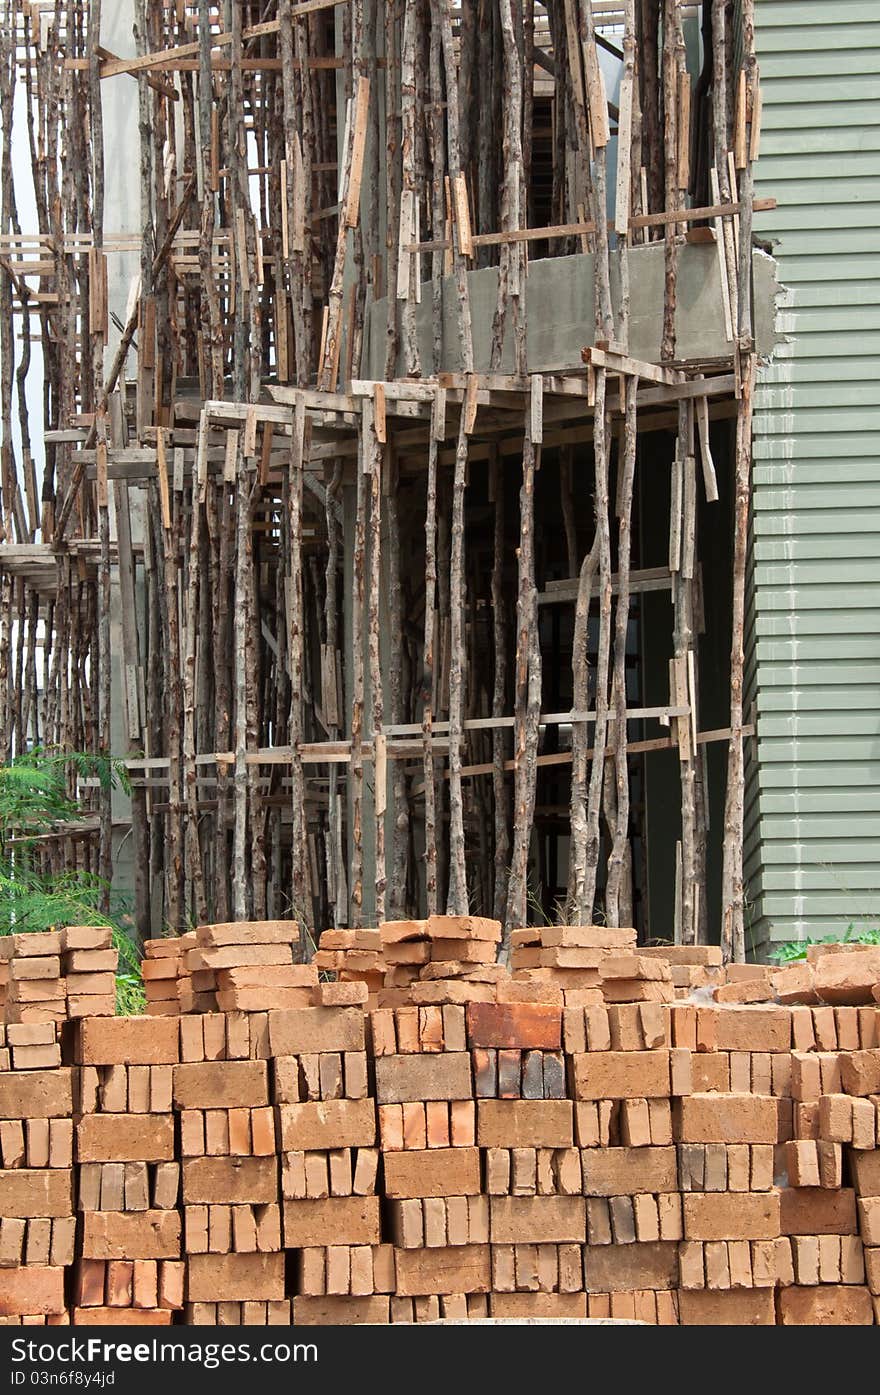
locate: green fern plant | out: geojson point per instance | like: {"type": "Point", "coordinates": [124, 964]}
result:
{"type": "Point", "coordinates": [33, 801]}
{"type": "Point", "coordinates": [794, 950]}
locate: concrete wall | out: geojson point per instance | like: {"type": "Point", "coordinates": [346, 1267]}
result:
{"type": "Point", "coordinates": [560, 323]}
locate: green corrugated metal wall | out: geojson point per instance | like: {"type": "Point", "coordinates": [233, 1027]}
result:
{"type": "Point", "coordinates": [813, 793]}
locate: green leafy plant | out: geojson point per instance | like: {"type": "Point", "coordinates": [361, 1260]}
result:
{"type": "Point", "coordinates": [34, 800]}
{"type": "Point", "coordinates": [795, 950]}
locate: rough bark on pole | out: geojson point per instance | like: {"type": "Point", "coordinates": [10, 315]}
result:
{"type": "Point", "coordinates": [682, 664]}
{"type": "Point", "coordinates": [594, 795]}
{"type": "Point", "coordinates": [174, 860]}
{"type": "Point", "coordinates": [649, 88]}
{"type": "Point", "coordinates": [442, 9]}
{"type": "Point", "coordinates": [404, 274]}
{"type": "Point", "coordinates": [732, 921]}
{"type": "Point", "coordinates": [296, 195]}
{"type": "Point", "coordinates": [457, 899]}
{"type": "Point", "coordinates": [751, 120]}
{"type": "Point", "coordinates": [98, 297]}
{"type": "Point", "coordinates": [241, 902]}
{"type": "Point", "coordinates": [577, 867]}
{"type": "Point", "coordinates": [428, 661]}
{"type": "Point", "coordinates": [295, 626]}
{"type": "Point", "coordinates": [356, 767]}
{"type": "Point", "coordinates": [673, 42]}
{"type": "Point", "coordinates": [332, 700]}
{"type": "Point", "coordinates": [500, 797]}
{"type": "Point", "coordinates": [617, 861]}
{"type": "Point", "coordinates": [193, 591]}
{"type": "Point", "coordinates": [511, 269]}
{"type": "Point", "coordinates": [372, 468]}
{"type": "Point", "coordinates": [527, 698]}
{"type": "Point", "coordinates": [401, 812]}
{"type": "Point", "coordinates": [212, 325]}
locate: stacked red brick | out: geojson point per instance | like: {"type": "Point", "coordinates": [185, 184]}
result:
{"type": "Point", "coordinates": [354, 957]}
{"type": "Point", "coordinates": [89, 963]}
{"type": "Point", "coordinates": [167, 980]}
{"type": "Point", "coordinates": [438, 1217]}
{"type": "Point", "coordinates": [37, 1223]}
{"type": "Point", "coordinates": [326, 1123]}
{"type": "Point", "coordinates": [129, 1268]}
{"type": "Point", "coordinates": [36, 991]}
{"type": "Point", "coordinates": [690, 966]}
{"type": "Point", "coordinates": [247, 966]}
{"type": "Point", "coordinates": [567, 959]}
{"type": "Point", "coordinates": [755, 1099]}
{"type": "Point", "coordinates": [229, 1159]}
{"type": "Point", "coordinates": [638, 1159]}
{"type": "Point", "coordinates": [444, 959]}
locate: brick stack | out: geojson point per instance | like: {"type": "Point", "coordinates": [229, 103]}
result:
{"type": "Point", "coordinates": [461, 966]}
{"type": "Point", "coordinates": [438, 1218]}
{"type": "Point", "coordinates": [129, 1268]}
{"type": "Point", "coordinates": [247, 966]}
{"type": "Point", "coordinates": [37, 990]}
{"type": "Point", "coordinates": [690, 966]}
{"type": "Point", "coordinates": [326, 1124]}
{"type": "Point", "coordinates": [164, 972]}
{"type": "Point", "coordinates": [232, 1218]}
{"type": "Point", "coordinates": [37, 1223]}
{"type": "Point", "coordinates": [353, 956]}
{"type": "Point", "coordinates": [632, 978]}
{"type": "Point", "coordinates": [567, 958]}
{"type": "Point", "coordinates": [405, 949]}
{"type": "Point", "coordinates": [89, 963]}
{"type": "Point", "coordinates": [444, 959]}
{"type": "Point", "coordinates": [665, 1162]}
{"type": "Point", "coordinates": [624, 1076]}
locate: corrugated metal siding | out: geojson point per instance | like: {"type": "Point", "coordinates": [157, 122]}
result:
{"type": "Point", "coordinates": [812, 852]}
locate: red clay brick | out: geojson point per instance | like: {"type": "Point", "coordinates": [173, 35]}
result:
{"type": "Point", "coordinates": [230, 1181]}
{"type": "Point", "coordinates": [322, 1222]}
{"type": "Point", "coordinates": [751, 1029]}
{"type": "Point", "coordinates": [620, 1268]}
{"type": "Point", "coordinates": [220, 1085]}
{"type": "Point", "coordinates": [121, 1317]}
{"type": "Point", "coordinates": [131, 1235]}
{"type": "Point", "coordinates": [738, 1307]}
{"type": "Point", "coordinates": [522, 1025]}
{"type": "Point", "coordinates": [717, 1118]}
{"type": "Point", "coordinates": [433, 1172]}
{"type": "Point", "coordinates": [517, 1220]}
{"type": "Point", "coordinates": [38, 1094]}
{"type": "Point", "coordinates": [327, 1124]}
{"type": "Point", "coordinates": [860, 1072]}
{"type": "Point", "coordinates": [28, 1192]}
{"type": "Point", "coordinates": [235, 1278]}
{"type": "Point", "coordinates": [455, 1269]}
{"type": "Point", "coordinates": [525, 1123]}
{"type": "Point", "coordinates": [301, 1031]}
{"type": "Point", "coordinates": [625, 1171]}
{"type": "Point", "coordinates": [731, 1215]}
{"type": "Point", "coordinates": [402, 1079]}
{"type": "Point", "coordinates": [335, 1310]}
{"type": "Point", "coordinates": [817, 1211]}
{"type": "Point", "coordinates": [609, 1075]}
{"type": "Point", "coordinates": [826, 1305]}
{"type": "Point", "coordinates": [125, 1138]}
{"type": "Point", "coordinates": [112, 1041]}
{"type": "Point", "coordinates": [31, 1289]}
{"type": "Point", "coordinates": [555, 1306]}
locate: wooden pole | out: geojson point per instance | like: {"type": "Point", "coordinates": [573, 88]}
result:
{"type": "Point", "coordinates": [527, 696]}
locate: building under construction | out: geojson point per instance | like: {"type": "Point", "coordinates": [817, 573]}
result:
{"type": "Point", "coordinates": [378, 384]}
